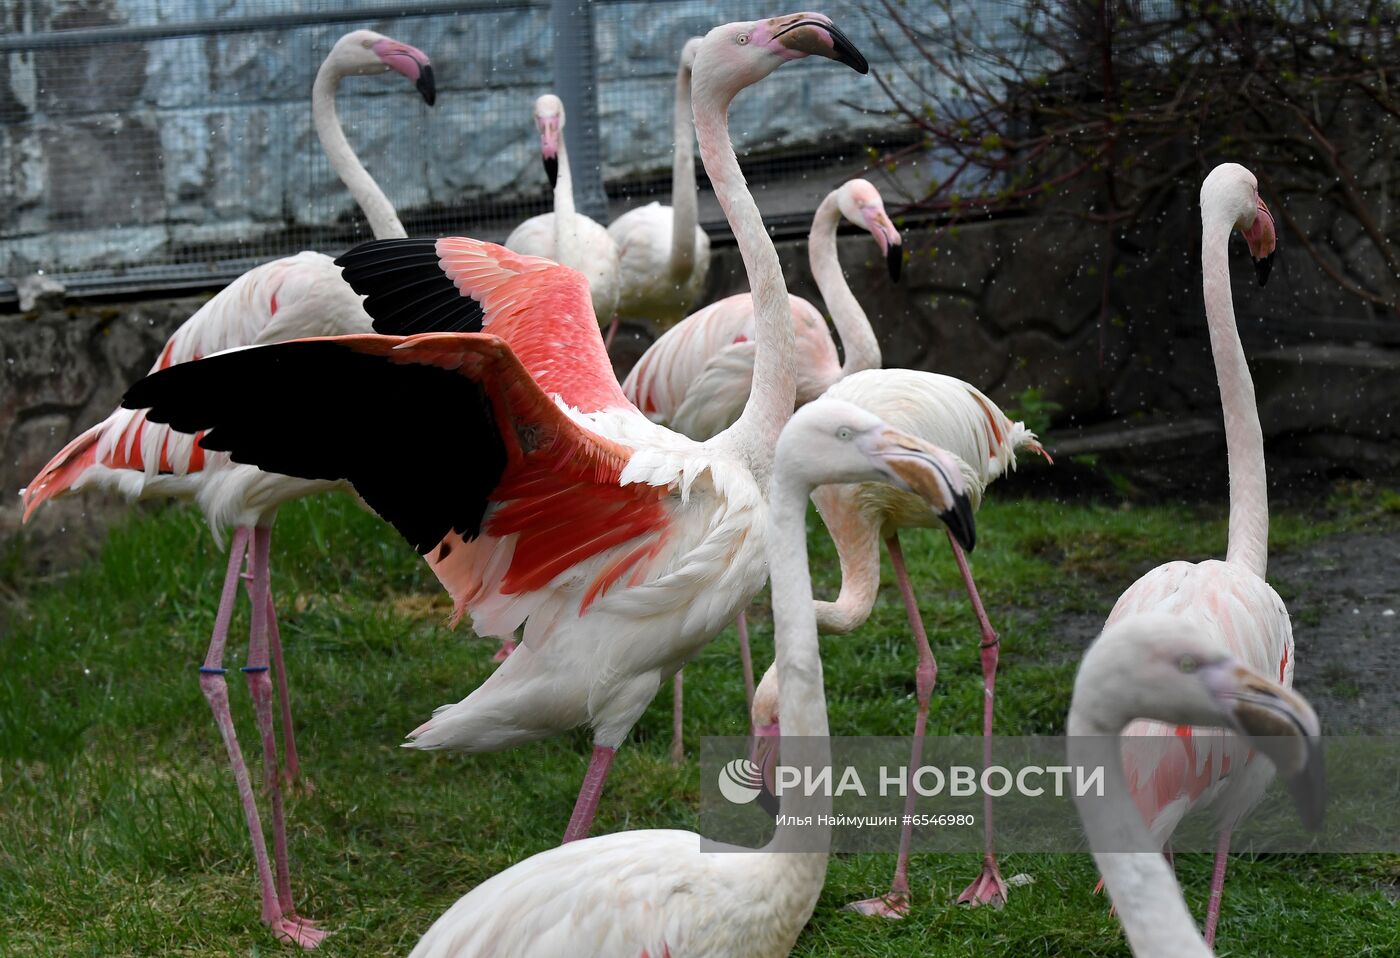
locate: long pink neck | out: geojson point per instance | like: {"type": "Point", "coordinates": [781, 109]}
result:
{"type": "Point", "coordinates": [383, 220]}
{"type": "Point", "coordinates": [1244, 439]}
{"type": "Point", "coordinates": [857, 338]}
{"type": "Point", "coordinates": [685, 211]}
{"type": "Point", "coordinates": [857, 541]}
{"type": "Point", "coordinates": [755, 434]}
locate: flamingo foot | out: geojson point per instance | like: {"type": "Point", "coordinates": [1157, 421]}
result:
{"type": "Point", "coordinates": [294, 783]}
{"type": "Point", "coordinates": [297, 931]}
{"type": "Point", "coordinates": [987, 889]}
{"type": "Point", "coordinates": [892, 906]}
{"type": "Point", "coordinates": [503, 653]}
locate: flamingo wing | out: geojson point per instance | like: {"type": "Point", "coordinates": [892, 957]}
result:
{"type": "Point", "coordinates": [432, 431]}
{"type": "Point", "coordinates": [544, 311]}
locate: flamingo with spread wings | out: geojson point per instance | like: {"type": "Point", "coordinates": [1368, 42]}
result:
{"type": "Point", "coordinates": [508, 455]}
{"type": "Point", "coordinates": [138, 458]}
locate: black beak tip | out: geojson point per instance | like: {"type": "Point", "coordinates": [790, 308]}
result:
{"type": "Point", "coordinates": [427, 86]}
{"type": "Point", "coordinates": [846, 51]}
{"type": "Point", "coordinates": [895, 260]}
{"type": "Point", "coordinates": [961, 524]}
{"type": "Point", "coordinates": [1309, 790]}
{"type": "Point", "coordinates": [1262, 268]}
{"type": "Point", "coordinates": [551, 169]}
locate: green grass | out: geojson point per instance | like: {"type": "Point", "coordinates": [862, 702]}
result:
{"type": "Point", "coordinates": [120, 833]}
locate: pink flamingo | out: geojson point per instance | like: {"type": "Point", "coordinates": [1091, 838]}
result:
{"type": "Point", "coordinates": [1175, 770]}
{"type": "Point", "coordinates": [696, 377]}
{"type": "Point", "coordinates": [547, 499]}
{"type": "Point", "coordinates": [565, 236]}
{"type": "Point", "coordinates": [127, 453]}
{"type": "Point", "coordinates": [1173, 668]}
{"type": "Point", "coordinates": [955, 416]}
{"type": "Point", "coordinates": [664, 254]}
{"type": "Point", "coordinates": [656, 892]}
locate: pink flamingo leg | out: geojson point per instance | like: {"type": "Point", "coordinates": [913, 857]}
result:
{"type": "Point", "coordinates": [746, 662]}
{"type": "Point", "coordinates": [895, 904]}
{"type": "Point", "coordinates": [987, 888]}
{"type": "Point", "coordinates": [1217, 886]}
{"type": "Point", "coordinates": [677, 726]}
{"type": "Point", "coordinates": [612, 331]}
{"type": "Point", "coordinates": [286, 925]}
{"type": "Point", "coordinates": [291, 768]}
{"type": "Point", "coordinates": [589, 792]}
{"type": "Point", "coordinates": [215, 689]}
{"type": "Point", "coordinates": [503, 653]}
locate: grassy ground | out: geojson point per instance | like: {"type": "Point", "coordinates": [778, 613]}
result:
{"type": "Point", "coordinates": [120, 833]}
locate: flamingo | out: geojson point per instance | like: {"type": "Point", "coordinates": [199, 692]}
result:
{"type": "Point", "coordinates": [132, 455]}
{"type": "Point", "coordinates": [546, 499]}
{"type": "Point", "coordinates": [1174, 770]}
{"type": "Point", "coordinates": [1174, 668]}
{"type": "Point", "coordinates": [656, 892]}
{"type": "Point", "coordinates": [664, 254]}
{"type": "Point", "coordinates": [696, 377]}
{"type": "Point", "coordinates": [564, 236]}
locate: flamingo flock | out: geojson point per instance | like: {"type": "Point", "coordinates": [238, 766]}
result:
{"type": "Point", "coordinates": [618, 528]}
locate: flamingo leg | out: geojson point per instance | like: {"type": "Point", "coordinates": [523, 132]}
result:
{"type": "Point", "coordinates": [503, 653]}
{"type": "Point", "coordinates": [286, 925]}
{"type": "Point", "coordinates": [895, 904]}
{"type": "Point", "coordinates": [589, 792]}
{"type": "Point", "coordinates": [746, 661]}
{"type": "Point", "coordinates": [215, 688]}
{"type": "Point", "coordinates": [988, 888]}
{"type": "Point", "coordinates": [1217, 886]}
{"type": "Point", "coordinates": [612, 331]}
{"type": "Point", "coordinates": [291, 767]}
{"type": "Point", "coordinates": [677, 726]}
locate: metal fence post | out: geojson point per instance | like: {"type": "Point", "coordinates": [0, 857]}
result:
{"type": "Point", "coordinates": [576, 83]}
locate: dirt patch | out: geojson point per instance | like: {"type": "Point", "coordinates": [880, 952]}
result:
{"type": "Point", "coordinates": [1344, 595]}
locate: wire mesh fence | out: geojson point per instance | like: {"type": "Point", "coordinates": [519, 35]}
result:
{"type": "Point", "coordinates": [152, 144]}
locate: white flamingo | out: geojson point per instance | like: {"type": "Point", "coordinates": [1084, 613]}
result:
{"type": "Point", "coordinates": [539, 494]}
{"type": "Point", "coordinates": [655, 892]}
{"type": "Point", "coordinates": [565, 236]}
{"type": "Point", "coordinates": [665, 255]}
{"type": "Point", "coordinates": [697, 376]}
{"type": "Point", "coordinates": [1174, 668]}
{"type": "Point", "coordinates": [1229, 600]}
{"type": "Point", "coordinates": [301, 295]}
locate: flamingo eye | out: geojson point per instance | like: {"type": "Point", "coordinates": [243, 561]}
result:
{"type": "Point", "coordinates": [742, 39]}
{"type": "Point", "coordinates": [1187, 664]}
{"type": "Point", "coordinates": [844, 433]}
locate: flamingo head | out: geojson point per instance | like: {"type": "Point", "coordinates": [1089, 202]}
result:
{"type": "Point", "coordinates": [549, 120]}
{"type": "Point", "coordinates": [860, 202]}
{"type": "Point", "coordinates": [364, 52]}
{"type": "Point", "coordinates": [833, 441]}
{"type": "Point", "coordinates": [688, 52]}
{"type": "Point", "coordinates": [1240, 190]}
{"type": "Point", "coordinates": [737, 55]}
{"type": "Point", "coordinates": [1164, 667]}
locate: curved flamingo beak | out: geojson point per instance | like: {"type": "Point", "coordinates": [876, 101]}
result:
{"type": "Point", "coordinates": [877, 221]}
{"type": "Point", "coordinates": [1282, 725]}
{"type": "Point", "coordinates": [764, 754]}
{"type": "Point", "coordinates": [932, 475]}
{"type": "Point", "coordinates": [1262, 240]}
{"type": "Point", "coordinates": [809, 34]}
{"type": "Point", "coordinates": [412, 63]}
{"type": "Point", "coordinates": [549, 146]}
